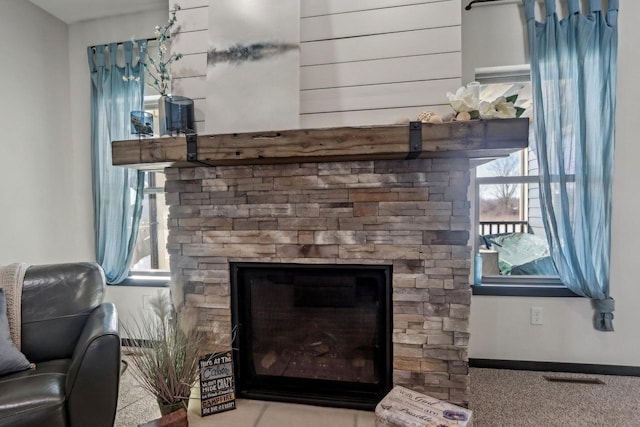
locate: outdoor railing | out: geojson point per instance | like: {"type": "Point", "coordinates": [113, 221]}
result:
{"type": "Point", "coordinates": [503, 227]}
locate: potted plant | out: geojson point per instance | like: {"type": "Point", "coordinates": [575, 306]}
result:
{"type": "Point", "coordinates": [159, 69]}
{"type": "Point", "coordinates": [165, 356]}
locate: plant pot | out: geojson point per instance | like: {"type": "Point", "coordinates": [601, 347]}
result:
{"type": "Point", "coordinates": [178, 418]}
{"type": "Point", "coordinates": [179, 111]}
{"type": "Point", "coordinates": [162, 116]}
{"type": "Point", "coordinates": [167, 408]}
{"type": "Point", "coordinates": [175, 114]}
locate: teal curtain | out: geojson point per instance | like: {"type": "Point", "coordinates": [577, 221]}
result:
{"type": "Point", "coordinates": [116, 90]}
{"type": "Point", "coordinates": [573, 72]}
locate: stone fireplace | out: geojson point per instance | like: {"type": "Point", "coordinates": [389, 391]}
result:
{"type": "Point", "coordinates": [411, 215]}
{"type": "Point", "coordinates": [381, 196]}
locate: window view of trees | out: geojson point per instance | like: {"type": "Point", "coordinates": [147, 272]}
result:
{"type": "Point", "coordinates": [502, 201]}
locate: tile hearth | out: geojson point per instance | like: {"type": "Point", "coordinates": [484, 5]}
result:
{"type": "Point", "coordinates": [135, 406]}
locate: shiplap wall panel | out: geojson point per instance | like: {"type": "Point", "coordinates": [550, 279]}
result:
{"type": "Point", "coordinates": [430, 92]}
{"type": "Point", "coordinates": [189, 74]}
{"type": "Point", "coordinates": [194, 19]}
{"type": "Point", "coordinates": [419, 42]}
{"type": "Point", "coordinates": [191, 87]}
{"type": "Point", "coordinates": [337, 34]}
{"type": "Point", "coordinates": [199, 109]}
{"type": "Point", "coordinates": [315, 8]}
{"type": "Point", "coordinates": [190, 43]}
{"type": "Point", "coordinates": [189, 4]}
{"type": "Point", "coordinates": [378, 61]}
{"type": "Point", "coordinates": [384, 116]}
{"type": "Point", "coordinates": [380, 21]}
{"type": "Point", "coordinates": [193, 65]}
{"type": "Point", "coordinates": [378, 71]}
{"type": "Point", "coordinates": [200, 127]}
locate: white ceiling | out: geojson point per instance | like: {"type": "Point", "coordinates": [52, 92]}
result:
{"type": "Point", "coordinates": [71, 11]}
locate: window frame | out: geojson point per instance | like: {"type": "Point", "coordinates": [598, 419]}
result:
{"type": "Point", "coordinates": [147, 278]}
{"type": "Point", "coordinates": [156, 278]}
{"type": "Point", "coordinates": [497, 285]}
{"type": "Point", "coordinates": [526, 285]}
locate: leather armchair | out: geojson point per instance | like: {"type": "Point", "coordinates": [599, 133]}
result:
{"type": "Point", "coordinates": [72, 337]}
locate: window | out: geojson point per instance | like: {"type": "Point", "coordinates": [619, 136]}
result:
{"type": "Point", "coordinates": [150, 252]}
{"type": "Point", "coordinates": [510, 233]}
{"type": "Point", "coordinates": [150, 260]}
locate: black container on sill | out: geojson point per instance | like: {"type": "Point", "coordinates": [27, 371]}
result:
{"type": "Point", "coordinates": [179, 114]}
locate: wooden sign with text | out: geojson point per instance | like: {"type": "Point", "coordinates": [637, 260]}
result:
{"type": "Point", "coordinates": [217, 388]}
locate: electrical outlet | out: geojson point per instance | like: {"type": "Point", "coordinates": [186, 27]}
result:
{"type": "Point", "coordinates": [537, 315]}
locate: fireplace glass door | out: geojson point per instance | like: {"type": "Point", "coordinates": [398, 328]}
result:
{"type": "Point", "coordinates": [315, 334]}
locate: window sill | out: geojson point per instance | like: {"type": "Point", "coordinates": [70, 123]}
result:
{"type": "Point", "coordinates": [146, 279]}
{"type": "Point", "coordinates": [522, 291]}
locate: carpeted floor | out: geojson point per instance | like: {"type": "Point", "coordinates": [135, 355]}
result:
{"type": "Point", "coordinates": [498, 398]}
{"type": "Point", "coordinates": [501, 397]}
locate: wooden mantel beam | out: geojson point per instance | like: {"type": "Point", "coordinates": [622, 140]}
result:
{"type": "Point", "coordinates": [471, 139]}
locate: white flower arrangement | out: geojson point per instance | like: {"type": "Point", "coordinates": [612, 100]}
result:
{"type": "Point", "coordinates": [464, 100]}
{"type": "Point", "coordinates": [468, 105]}
{"type": "Point", "coordinates": [160, 70]}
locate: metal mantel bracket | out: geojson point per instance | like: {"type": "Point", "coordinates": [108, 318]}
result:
{"type": "Point", "coordinates": [192, 149]}
{"type": "Point", "coordinates": [415, 140]}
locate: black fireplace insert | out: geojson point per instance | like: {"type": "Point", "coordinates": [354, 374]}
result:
{"type": "Point", "coordinates": [314, 334]}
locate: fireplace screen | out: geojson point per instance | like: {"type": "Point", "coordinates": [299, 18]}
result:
{"type": "Point", "coordinates": [313, 333]}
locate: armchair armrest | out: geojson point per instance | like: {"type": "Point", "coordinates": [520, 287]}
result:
{"type": "Point", "coordinates": [94, 375]}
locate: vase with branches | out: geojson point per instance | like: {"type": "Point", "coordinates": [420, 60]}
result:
{"type": "Point", "coordinates": [159, 68]}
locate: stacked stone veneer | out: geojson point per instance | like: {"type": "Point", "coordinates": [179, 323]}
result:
{"type": "Point", "coordinates": [412, 214]}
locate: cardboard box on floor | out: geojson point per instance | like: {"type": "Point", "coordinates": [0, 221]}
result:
{"type": "Point", "coordinates": [406, 408]}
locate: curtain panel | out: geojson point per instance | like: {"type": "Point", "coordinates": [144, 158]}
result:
{"type": "Point", "coordinates": [573, 72]}
{"type": "Point", "coordinates": [116, 90]}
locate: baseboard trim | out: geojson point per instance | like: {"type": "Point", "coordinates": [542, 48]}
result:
{"type": "Point", "coordinates": [128, 342]}
{"type": "Point", "coordinates": [576, 368]}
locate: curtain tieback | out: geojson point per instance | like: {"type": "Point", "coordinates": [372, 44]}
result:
{"type": "Point", "coordinates": [604, 318]}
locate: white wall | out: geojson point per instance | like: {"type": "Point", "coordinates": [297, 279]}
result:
{"type": "Point", "coordinates": [131, 303]}
{"type": "Point", "coordinates": [500, 326]}
{"type": "Point", "coordinates": [492, 35]}
{"type": "Point", "coordinates": [38, 208]}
